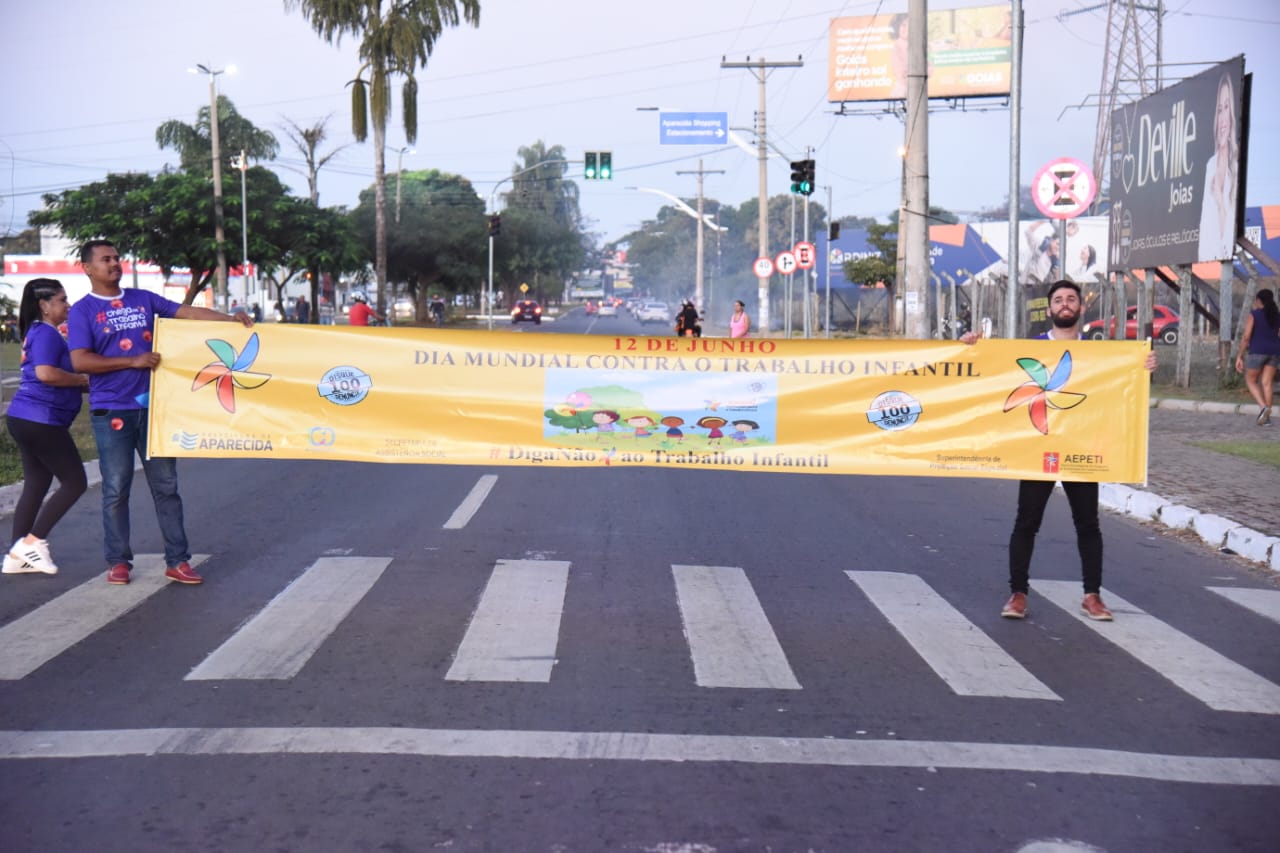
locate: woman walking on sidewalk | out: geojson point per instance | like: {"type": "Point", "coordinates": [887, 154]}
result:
{"type": "Point", "coordinates": [39, 419]}
{"type": "Point", "coordinates": [1260, 352]}
{"type": "Point", "coordinates": [739, 323]}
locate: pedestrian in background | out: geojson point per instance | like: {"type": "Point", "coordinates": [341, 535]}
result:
{"type": "Point", "coordinates": [1260, 352]}
{"type": "Point", "coordinates": [739, 323]}
{"type": "Point", "coordinates": [39, 419]}
{"type": "Point", "coordinates": [1065, 311]}
{"type": "Point", "coordinates": [110, 332]}
{"type": "Point", "coordinates": [302, 311]}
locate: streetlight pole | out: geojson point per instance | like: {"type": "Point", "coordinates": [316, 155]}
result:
{"type": "Point", "coordinates": [399, 171]}
{"type": "Point", "coordinates": [243, 164]}
{"type": "Point", "coordinates": [220, 292]}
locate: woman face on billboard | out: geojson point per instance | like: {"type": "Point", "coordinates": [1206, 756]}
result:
{"type": "Point", "coordinates": [1224, 118]}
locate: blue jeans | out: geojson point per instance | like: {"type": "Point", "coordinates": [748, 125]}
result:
{"type": "Point", "coordinates": [116, 447]}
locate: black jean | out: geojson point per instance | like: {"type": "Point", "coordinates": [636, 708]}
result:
{"type": "Point", "coordinates": [1033, 496]}
{"type": "Point", "coordinates": [47, 451]}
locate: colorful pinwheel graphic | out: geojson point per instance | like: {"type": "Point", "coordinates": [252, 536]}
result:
{"type": "Point", "coordinates": [1041, 394]}
{"type": "Point", "coordinates": [230, 371]}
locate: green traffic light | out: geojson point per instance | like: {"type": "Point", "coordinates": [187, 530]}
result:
{"type": "Point", "coordinates": [606, 165]}
{"type": "Point", "coordinates": [591, 169]}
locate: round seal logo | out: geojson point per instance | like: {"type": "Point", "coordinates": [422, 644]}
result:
{"type": "Point", "coordinates": [894, 410]}
{"type": "Point", "coordinates": [345, 386]}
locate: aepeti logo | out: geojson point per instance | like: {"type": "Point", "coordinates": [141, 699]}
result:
{"type": "Point", "coordinates": [1052, 461]}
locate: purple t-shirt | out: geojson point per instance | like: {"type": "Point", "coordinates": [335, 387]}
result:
{"type": "Point", "coordinates": [117, 326]}
{"type": "Point", "coordinates": [36, 401]}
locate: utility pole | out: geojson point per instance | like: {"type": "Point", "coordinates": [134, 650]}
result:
{"type": "Point", "coordinates": [1013, 286]}
{"type": "Point", "coordinates": [761, 70]}
{"type": "Point", "coordinates": [917, 161]}
{"type": "Point", "coordinates": [698, 278]}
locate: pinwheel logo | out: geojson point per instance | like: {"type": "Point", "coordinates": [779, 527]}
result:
{"type": "Point", "coordinates": [230, 371]}
{"type": "Point", "coordinates": [1043, 392]}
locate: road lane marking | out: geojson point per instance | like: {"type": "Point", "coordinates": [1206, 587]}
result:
{"type": "Point", "coordinates": [1218, 681]}
{"type": "Point", "coordinates": [641, 746]}
{"type": "Point", "coordinates": [1264, 602]}
{"type": "Point", "coordinates": [471, 504]}
{"type": "Point", "coordinates": [516, 627]}
{"type": "Point", "coordinates": [968, 660]}
{"type": "Point", "coordinates": [730, 639]}
{"type": "Point", "coordinates": [282, 637]}
{"type": "Point", "coordinates": [30, 642]}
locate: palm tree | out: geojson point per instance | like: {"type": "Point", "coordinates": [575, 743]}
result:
{"type": "Point", "coordinates": [539, 183]}
{"type": "Point", "coordinates": [394, 41]}
{"type": "Point", "coordinates": [307, 140]}
{"type": "Point", "coordinates": [194, 142]}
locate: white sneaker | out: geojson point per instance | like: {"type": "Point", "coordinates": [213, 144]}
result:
{"type": "Point", "coordinates": [14, 565]}
{"type": "Point", "coordinates": [35, 556]}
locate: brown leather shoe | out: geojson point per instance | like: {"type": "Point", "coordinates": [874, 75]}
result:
{"type": "Point", "coordinates": [1093, 607]}
{"type": "Point", "coordinates": [118, 574]}
{"type": "Point", "coordinates": [183, 573]}
{"type": "Point", "coordinates": [1015, 607]}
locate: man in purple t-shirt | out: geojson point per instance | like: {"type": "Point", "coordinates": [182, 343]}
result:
{"type": "Point", "coordinates": [109, 333]}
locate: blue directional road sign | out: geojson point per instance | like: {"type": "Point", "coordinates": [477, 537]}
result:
{"type": "Point", "coordinates": [693, 128]}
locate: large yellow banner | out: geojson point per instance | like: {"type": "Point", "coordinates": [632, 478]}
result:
{"type": "Point", "coordinates": [1022, 409]}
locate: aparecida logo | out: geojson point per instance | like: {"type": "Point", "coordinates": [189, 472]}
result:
{"type": "Point", "coordinates": [1042, 393]}
{"type": "Point", "coordinates": [230, 371]}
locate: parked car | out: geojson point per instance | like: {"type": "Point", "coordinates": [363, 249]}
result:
{"type": "Point", "coordinates": [526, 309]}
{"type": "Point", "coordinates": [1164, 325]}
{"type": "Point", "coordinates": [654, 312]}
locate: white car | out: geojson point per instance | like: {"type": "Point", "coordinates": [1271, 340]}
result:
{"type": "Point", "coordinates": [654, 312]}
{"type": "Point", "coordinates": [608, 309]}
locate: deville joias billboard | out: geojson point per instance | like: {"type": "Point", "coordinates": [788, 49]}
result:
{"type": "Point", "coordinates": [1175, 172]}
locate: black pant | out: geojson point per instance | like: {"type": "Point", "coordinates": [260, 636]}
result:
{"type": "Point", "coordinates": [1033, 496]}
{"type": "Point", "coordinates": [47, 451]}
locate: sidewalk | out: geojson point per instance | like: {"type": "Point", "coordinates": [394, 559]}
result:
{"type": "Point", "coordinates": [1226, 501]}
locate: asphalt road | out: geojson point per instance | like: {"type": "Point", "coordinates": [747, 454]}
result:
{"type": "Point", "coordinates": [415, 658]}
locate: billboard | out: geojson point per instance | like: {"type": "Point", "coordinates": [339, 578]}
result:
{"type": "Point", "coordinates": [1175, 172]}
{"type": "Point", "coordinates": [969, 52]}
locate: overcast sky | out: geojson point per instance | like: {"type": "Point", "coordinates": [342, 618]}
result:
{"type": "Point", "coordinates": [86, 85]}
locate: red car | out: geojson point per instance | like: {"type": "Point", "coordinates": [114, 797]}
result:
{"type": "Point", "coordinates": [1164, 325]}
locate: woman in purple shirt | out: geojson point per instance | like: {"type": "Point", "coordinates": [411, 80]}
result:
{"type": "Point", "coordinates": [39, 419]}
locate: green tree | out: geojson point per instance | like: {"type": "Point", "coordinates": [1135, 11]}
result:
{"type": "Point", "coordinates": [395, 40]}
{"type": "Point", "coordinates": [439, 242]}
{"type": "Point", "coordinates": [194, 142]}
{"type": "Point", "coordinates": [881, 267]}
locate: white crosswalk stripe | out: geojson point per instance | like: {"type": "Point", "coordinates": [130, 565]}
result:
{"type": "Point", "coordinates": [286, 633]}
{"type": "Point", "coordinates": [516, 627]}
{"type": "Point", "coordinates": [1264, 602]}
{"type": "Point", "coordinates": [963, 656]}
{"type": "Point", "coordinates": [28, 643]}
{"type": "Point", "coordinates": [1217, 681]}
{"type": "Point", "coordinates": [514, 633]}
{"type": "Point", "coordinates": [730, 639]}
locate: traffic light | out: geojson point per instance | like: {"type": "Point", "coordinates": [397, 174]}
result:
{"type": "Point", "coordinates": [592, 169]}
{"type": "Point", "coordinates": [495, 225]}
{"type": "Point", "coordinates": [606, 165]}
{"type": "Point", "coordinates": [797, 175]}
{"type": "Point", "coordinates": [809, 182]}
{"type": "Point", "coordinates": [835, 231]}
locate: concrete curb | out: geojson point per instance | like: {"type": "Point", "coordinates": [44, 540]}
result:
{"type": "Point", "coordinates": [1220, 533]}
